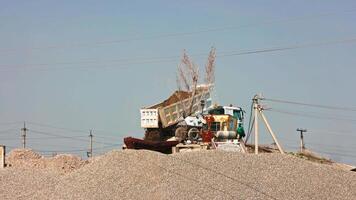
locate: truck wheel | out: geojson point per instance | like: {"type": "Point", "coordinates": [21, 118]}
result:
{"type": "Point", "coordinates": [181, 133]}
{"type": "Point", "coordinates": [153, 135]}
{"type": "Point", "coordinates": [193, 134]}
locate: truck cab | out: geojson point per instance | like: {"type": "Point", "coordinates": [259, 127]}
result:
{"type": "Point", "coordinates": [235, 112]}
{"type": "Point", "coordinates": [227, 122]}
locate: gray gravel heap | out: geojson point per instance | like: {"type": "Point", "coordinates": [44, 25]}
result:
{"type": "Point", "coordinates": [28, 159]}
{"type": "Point", "coordinates": [143, 174]}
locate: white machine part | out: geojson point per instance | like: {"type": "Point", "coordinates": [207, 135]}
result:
{"type": "Point", "coordinates": [229, 110]}
{"type": "Point", "coordinates": [226, 134]}
{"type": "Point", "coordinates": [149, 118]}
{"type": "Point", "coordinates": [197, 121]}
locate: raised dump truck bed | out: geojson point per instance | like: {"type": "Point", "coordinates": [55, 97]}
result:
{"type": "Point", "coordinates": [170, 111]}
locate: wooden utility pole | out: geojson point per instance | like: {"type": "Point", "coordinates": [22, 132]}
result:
{"type": "Point", "coordinates": [90, 153]}
{"type": "Point", "coordinates": [255, 107]}
{"type": "Point", "coordinates": [271, 132]}
{"type": "Point", "coordinates": [24, 131]}
{"type": "Point", "coordinates": [302, 146]}
{"type": "Point", "coordinates": [259, 112]}
{"type": "Point", "coordinates": [2, 156]}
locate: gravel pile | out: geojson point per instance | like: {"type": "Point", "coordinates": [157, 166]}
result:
{"type": "Point", "coordinates": [26, 184]}
{"type": "Point", "coordinates": [23, 154]}
{"type": "Point", "coordinates": [28, 159]}
{"type": "Point", "coordinates": [65, 163]}
{"type": "Point", "coordinates": [23, 158]}
{"type": "Point", "coordinates": [143, 174]}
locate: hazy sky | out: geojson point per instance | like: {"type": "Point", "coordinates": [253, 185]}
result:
{"type": "Point", "coordinates": [93, 64]}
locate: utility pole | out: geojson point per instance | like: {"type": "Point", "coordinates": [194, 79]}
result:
{"type": "Point", "coordinates": [302, 147]}
{"type": "Point", "coordinates": [24, 130]}
{"type": "Point", "coordinates": [255, 107]}
{"type": "Point", "coordinates": [90, 152]}
{"type": "Point", "coordinates": [258, 111]}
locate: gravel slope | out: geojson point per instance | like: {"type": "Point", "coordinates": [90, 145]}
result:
{"type": "Point", "coordinates": [142, 174]}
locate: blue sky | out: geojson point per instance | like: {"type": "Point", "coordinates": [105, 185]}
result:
{"type": "Point", "coordinates": [56, 64]}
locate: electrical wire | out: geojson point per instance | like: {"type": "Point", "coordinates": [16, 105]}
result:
{"type": "Point", "coordinates": [69, 137]}
{"type": "Point", "coordinates": [77, 130]}
{"type": "Point", "coordinates": [74, 150]}
{"type": "Point", "coordinates": [249, 124]}
{"type": "Point", "coordinates": [312, 105]}
{"type": "Point", "coordinates": [9, 123]}
{"type": "Point", "coordinates": [338, 132]}
{"type": "Point", "coordinates": [311, 116]}
{"type": "Point", "coordinates": [225, 54]}
{"type": "Point", "coordinates": [7, 131]}
{"type": "Point", "coordinates": [89, 65]}
{"type": "Point", "coordinates": [56, 127]}
{"type": "Point", "coordinates": [173, 35]}
{"type": "Point", "coordinates": [336, 154]}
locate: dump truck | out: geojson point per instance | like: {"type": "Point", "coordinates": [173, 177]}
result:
{"type": "Point", "coordinates": [180, 115]}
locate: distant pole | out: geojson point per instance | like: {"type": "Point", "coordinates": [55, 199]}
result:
{"type": "Point", "coordinates": [302, 147]}
{"type": "Point", "coordinates": [255, 102]}
{"type": "Point", "coordinates": [91, 144]}
{"type": "Point", "coordinates": [24, 130]}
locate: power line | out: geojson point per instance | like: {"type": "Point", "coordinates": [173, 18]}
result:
{"type": "Point", "coordinates": [56, 127]}
{"type": "Point", "coordinates": [78, 130]}
{"type": "Point", "coordinates": [43, 138]}
{"type": "Point", "coordinates": [90, 64]}
{"type": "Point", "coordinates": [164, 59]}
{"type": "Point", "coordinates": [341, 132]}
{"type": "Point", "coordinates": [69, 137]}
{"type": "Point", "coordinates": [51, 145]}
{"type": "Point", "coordinates": [56, 135]}
{"type": "Point", "coordinates": [312, 116]}
{"type": "Point", "coordinates": [108, 137]}
{"type": "Point", "coordinates": [122, 60]}
{"type": "Point", "coordinates": [73, 150]}
{"type": "Point", "coordinates": [173, 35]}
{"type": "Point", "coordinates": [75, 130]}
{"type": "Point", "coordinates": [312, 105]}
{"type": "Point", "coordinates": [291, 47]}
{"type": "Point", "coordinates": [336, 154]}
{"type": "Point", "coordinates": [325, 152]}
{"type": "Point", "coordinates": [334, 148]}
{"type": "Point", "coordinates": [352, 134]}
{"type": "Point", "coordinates": [324, 146]}
{"type": "Point", "coordinates": [7, 131]}
{"type": "Point", "coordinates": [10, 123]}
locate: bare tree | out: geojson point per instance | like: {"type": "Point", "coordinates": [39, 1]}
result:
{"type": "Point", "coordinates": [210, 67]}
{"type": "Point", "coordinates": [188, 76]}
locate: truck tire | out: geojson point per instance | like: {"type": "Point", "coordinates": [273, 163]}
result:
{"type": "Point", "coordinates": [153, 135]}
{"type": "Point", "coordinates": [193, 134]}
{"type": "Point", "coordinates": [181, 133]}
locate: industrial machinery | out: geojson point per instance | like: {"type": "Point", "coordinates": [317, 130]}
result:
{"type": "Point", "coordinates": [180, 115]}
{"type": "Point", "coordinates": [226, 126]}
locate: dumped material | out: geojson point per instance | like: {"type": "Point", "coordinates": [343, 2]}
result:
{"type": "Point", "coordinates": [140, 174]}
{"type": "Point", "coordinates": [28, 159]}
{"type": "Point", "coordinates": [23, 154]}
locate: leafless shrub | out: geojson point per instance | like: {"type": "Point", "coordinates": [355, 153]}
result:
{"type": "Point", "coordinates": [210, 67]}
